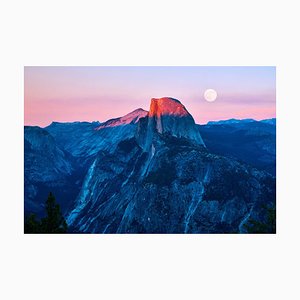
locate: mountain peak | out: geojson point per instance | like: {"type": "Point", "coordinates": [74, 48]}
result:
{"type": "Point", "coordinates": [130, 118]}
{"type": "Point", "coordinates": [167, 116]}
{"type": "Point", "coordinates": [167, 106]}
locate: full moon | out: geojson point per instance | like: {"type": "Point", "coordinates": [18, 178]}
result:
{"type": "Point", "coordinates": [210, 95]}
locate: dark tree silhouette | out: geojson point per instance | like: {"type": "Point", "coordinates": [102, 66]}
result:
{"type": "Point", "coordinates": [269, 226]}
{"type": "Point", "coordinates": [54, 221]}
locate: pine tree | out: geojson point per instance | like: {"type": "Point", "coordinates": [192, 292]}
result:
{"type": "Point", "coordinates": [54, 222]}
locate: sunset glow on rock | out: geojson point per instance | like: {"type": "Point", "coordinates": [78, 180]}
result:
{"type": "Point", "coordinates": [168, 107]}
{"type": "Point", "coordinates": [130, 118]}
{"type": "Point", "coordinates": [167, 116]}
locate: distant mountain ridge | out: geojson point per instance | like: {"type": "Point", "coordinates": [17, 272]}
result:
{"type": "Point", "coordinates": [85, 139]}
{"type": "Point", "coordinates": [237, 121]}
{"type": "Point", "coordinates": [252, 142]}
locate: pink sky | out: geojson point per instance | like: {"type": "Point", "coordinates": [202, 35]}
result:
{"type": "Point", "coordinates": [67, 94]}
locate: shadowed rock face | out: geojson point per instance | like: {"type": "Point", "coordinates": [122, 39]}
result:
{"type": "Point", "coordinates": [44, 160]}
{"type": "Point", "coordinates": [180, 189]}
{"type": "Point", "coordinates": [83, 139]}
{"type": "Point", "coordinates": [163, 180]}
{"type": "Point", "coordinates": [46, 168]}
{"type": "Point", "coordinates": [253, 142]}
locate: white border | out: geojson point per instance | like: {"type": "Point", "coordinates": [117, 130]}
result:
{"type": "Point", "coordinates": [149, 33]}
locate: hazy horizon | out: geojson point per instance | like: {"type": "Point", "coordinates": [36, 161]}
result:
{"type": "Point", "coordinates": [87, 94]}
{"type": "Point", "coordinates": [91, 121]}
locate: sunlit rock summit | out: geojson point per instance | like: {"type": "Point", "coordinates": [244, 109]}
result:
{"type": "Point", "coordinates": [167, 116]}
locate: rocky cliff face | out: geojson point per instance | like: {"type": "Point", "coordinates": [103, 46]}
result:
{"type": "Point", "coordinates": [184, 189]}
{"type": "Point", "coordinates": [58, 157]}
{"type": "Point", "coordinates": [84, 140]}
{"type": "Point", "coordinates": [167, 116]}
{"type": "Point", "coordinates": [48, 160]}
{"type": "Point", "coordinates": [46, 168]}
{"type": "Point", "coordinates": [162, 179]}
